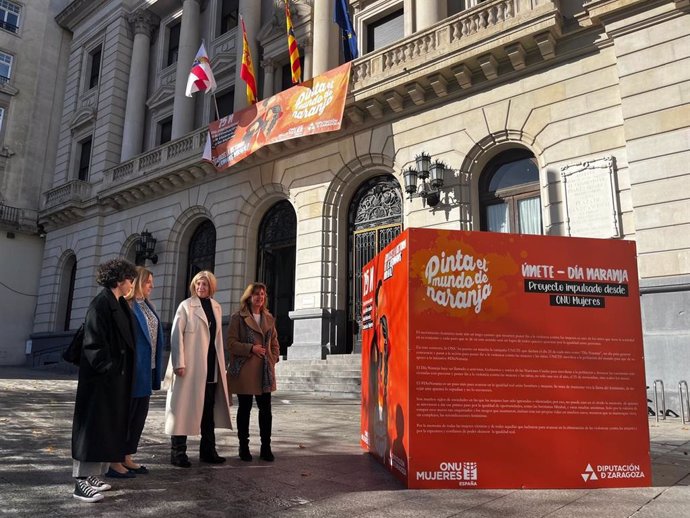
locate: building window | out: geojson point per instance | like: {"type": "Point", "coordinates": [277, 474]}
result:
{"type": "Point", "coordinates": [286, 74]}
{"type": "Point", "coordinates": [173, 43]}
{"type": "Point", "coordinates": [225, 103]}
{"type": "Point", "coordinates": [385, 31]}
{"type": "Point", "coordinates": [165, 131]}
{"type": "Point", "coordinates": [84, 160]}
{"type": "Point", "coordinates": [509, 194]}
{"type": "Point", "coordinates": [229, 15]}
{"type": "Point", "coordinates": [5, 67]}
{"type": "Point", "coordinates": [9, 15]}
{"type": "Point", "coordinates": [2, 119]}
{"type": "Point", "coordinates": [94, 67]}
{"type": "Point", "coordinates": [456, 6]}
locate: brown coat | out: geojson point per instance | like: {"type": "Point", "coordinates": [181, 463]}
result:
{"type": "Point", "coordinates": [249, 379]}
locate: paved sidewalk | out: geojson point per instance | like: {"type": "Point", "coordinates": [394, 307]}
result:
{"type": "Point", "coordinates": [319, 469]}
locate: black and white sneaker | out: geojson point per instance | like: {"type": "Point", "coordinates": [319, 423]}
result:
{"type": "Point", "coordinates": [84, 492]}
{"type": "Point", "coordinates": [98, 484]}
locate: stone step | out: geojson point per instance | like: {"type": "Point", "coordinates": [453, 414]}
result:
{"type": "Point", "coordinates": [346, 390]}
{"type": "Point", "coordinates": [337, 375]}
{"type": "Point", "coordinates": [334, 359]}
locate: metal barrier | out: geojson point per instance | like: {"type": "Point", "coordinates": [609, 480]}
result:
{"type": "Point", "coordinates": [659, 383]}
{"type": "Point", "coordinates": [684, 401]}
{"type": "Point", "coordinates": [650, 410]}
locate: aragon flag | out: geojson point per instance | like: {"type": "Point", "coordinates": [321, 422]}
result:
{"type": "Point", "coordinates": [295, 66]}
{"type": "Point", "coordinates": [247, 70]}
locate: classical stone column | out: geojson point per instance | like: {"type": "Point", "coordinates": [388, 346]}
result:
{"type": "Point", "coordinates": [428, 12]}
{"type": "Point", "coordinates": [183, 106]}
{"type": "Point", "coordinates": [326, 44]}
{"type": "Point", "coordinates": [307, 59]}
{"type": "Point", "coordinates": [268, 66]}
{"type": "Point", "coordinates": [144, 23]}
{"type": "Point", "coordinates": [251, 12]}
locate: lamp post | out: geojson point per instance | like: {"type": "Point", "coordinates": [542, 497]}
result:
{"type": "Point", "coordinates": [431, 176]}
{"type": "Point", "coordinates": [145, 248]}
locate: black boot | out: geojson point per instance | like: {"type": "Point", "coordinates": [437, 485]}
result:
{"type": "Point", "coordinates": [207, 446]}
{"type": "Point", "coordinates": [265, 426]}
{"type": "Point", "coordinates": [245, 454]}
{"type": "Point", "coordinates": [178, 451]}
{"type": "Point", "coordinates": [266, 453]}
{"type": "Point", "coordinates": [243, 435]}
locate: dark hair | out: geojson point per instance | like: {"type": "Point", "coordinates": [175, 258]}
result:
{"type": "Point", "coordinates": [117, 270]}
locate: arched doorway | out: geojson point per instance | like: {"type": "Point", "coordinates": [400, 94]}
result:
{"type": "Point", "coordinates": [276, 266]}
{"type": "Point", "coordinates": [374, 220]}
{"type": "Point", "coordinates": [67, 279]}
{"type": "Point", "coordinates": [509, 193]}
{"type": "Point", "coordinates": [202, 251]}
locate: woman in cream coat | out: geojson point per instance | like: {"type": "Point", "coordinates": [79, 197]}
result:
{"type": "Point", "coordinates": [198, 400]}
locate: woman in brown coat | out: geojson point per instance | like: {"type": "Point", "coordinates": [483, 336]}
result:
{"type": "Point", "coordinates": [254, 351]}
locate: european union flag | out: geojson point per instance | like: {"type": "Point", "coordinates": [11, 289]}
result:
{"type": "Point", "coordinates": [342, 18]}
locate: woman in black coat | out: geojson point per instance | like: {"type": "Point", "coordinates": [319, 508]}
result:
{"type": "Point", "coordinates": [101, 410]}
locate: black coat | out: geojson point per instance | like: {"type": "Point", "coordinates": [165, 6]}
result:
{"type": "Point", "coordinates": [99, 429]}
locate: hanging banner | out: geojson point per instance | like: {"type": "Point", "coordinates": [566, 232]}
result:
{"type": "Point", "coordinates": [504, 361]}
{"type": "Point", "coordinates": [314, 106]}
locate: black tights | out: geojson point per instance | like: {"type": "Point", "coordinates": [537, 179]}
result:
{"type": "Point", "coordinates": [244, 411]}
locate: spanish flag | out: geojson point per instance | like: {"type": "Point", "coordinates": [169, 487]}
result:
{"type": "Point", "coordinates": [247, 70]}
{"type": "Point", "coordinates": [295, 67]}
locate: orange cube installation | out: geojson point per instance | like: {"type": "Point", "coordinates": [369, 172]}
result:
{"type": "Point", "coordinates": [504, 361]}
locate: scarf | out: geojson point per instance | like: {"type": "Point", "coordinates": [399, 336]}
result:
{"type": "Point", "coordinates": [248, 335]}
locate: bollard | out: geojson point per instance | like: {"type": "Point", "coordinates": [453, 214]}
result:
{"type": "Point", "coordinates": [684, 401]}
{"type": "Point", "coordinates": [659, 383]}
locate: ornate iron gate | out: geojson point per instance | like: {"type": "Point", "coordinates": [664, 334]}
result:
{"type": "Point", "coordinates": [202, 251]}
{"type": "Point", "coordinates": [375, 219]}
{"type": "Point", "coordinates": [276, 266]}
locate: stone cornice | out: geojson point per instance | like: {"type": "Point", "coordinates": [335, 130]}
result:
{"type": "Point", "coordinates": [621, 17]}
{"type": "Point", "coordinates": [76, 11]}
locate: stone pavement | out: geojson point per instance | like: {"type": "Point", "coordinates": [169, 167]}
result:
{"type": "Point", "coordinates": [319, 469]}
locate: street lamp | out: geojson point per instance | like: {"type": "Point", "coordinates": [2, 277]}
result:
{"type": "Point", "coordinates": [425, 170]}
{"type": "Point", "coordinates": [145, 247]}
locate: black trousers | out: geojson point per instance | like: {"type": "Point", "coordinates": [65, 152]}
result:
{"type": "Point", "coordinates": [138, 410]}
{"type": "Point", "coordinates": [244, 410]}
{"type": "Point", "coordinates": [207, 447]}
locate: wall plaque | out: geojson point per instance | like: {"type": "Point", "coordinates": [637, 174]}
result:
{"type": "Point", "coordinates": [591, 201]}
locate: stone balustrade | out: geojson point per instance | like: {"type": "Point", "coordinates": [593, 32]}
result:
{"type": "Point", "coordinates": [72, 191]}
{"type": "Point", "coordinates": [455, 34]}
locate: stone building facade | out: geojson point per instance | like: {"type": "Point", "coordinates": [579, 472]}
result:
{"type": "Point", "coordinates": [33, 62]}
{"type": "Point", "coordinates": [562, 117]}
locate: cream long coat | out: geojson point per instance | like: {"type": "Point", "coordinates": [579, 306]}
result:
{"type": "Point", "coordinates": [189, 349]}
{"type": "Point", "coordinates": [249, 379]}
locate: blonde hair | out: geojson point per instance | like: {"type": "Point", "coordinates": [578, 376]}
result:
{"type": "Point", "coordinates": [245, 299]}
{"type": "Point", "coordinates": [210, 278]}
{"type": "Point", "coordinates": [137, 290]}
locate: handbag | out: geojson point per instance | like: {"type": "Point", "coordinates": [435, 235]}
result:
{"type": "Point", "coordinates": [73, 352]}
